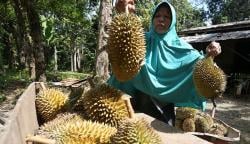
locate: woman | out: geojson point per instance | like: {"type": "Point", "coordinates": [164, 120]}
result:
{"type": "Point", "coordinates": [166, 76]}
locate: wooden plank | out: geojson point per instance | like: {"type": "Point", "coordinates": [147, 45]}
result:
{"type": "Point", "coordinates": [232, 136]}
{"type": "Point", "coordinates": [217, 36]}
{"type": "Point", "coordinates": [22, 120]}
{"type": "Point", "coordinates": [232, 26]}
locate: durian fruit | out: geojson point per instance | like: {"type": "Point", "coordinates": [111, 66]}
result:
{"type": "Point", "coordinates": [81, 140]}
{"type": "Point", "coordinates": [203, 122]}
{"type": "Point", "coordinates": [185, 112]}
{"type": "Point", "coordinates": [178, 123]}
{"type": "Point", "coordinates": [126, 46]}
{"type": "Point", "coordinates": [72, 129]}
{"type": "Point", "coordinates": [135, 132]}
{"type": "Point", "coordinates": [105, 104]}
{"type": "Point", "coordinates": [50, 102]}
{"type": "Point", "coordinates": [59, 120]}
{"type": "Point", "coordinates": [188, 125]}
{"type": "Point", "coordinates": [209, 79]}
{"type": "Point", "coordinates": [209, 119]}
{"type": "Point", "coordinates": [218, 129]}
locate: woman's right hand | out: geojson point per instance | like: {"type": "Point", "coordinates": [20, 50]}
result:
{"type": "Point", "coordinates": [122, 4]}
{"type": "Point", "coordinates": [213, 49]}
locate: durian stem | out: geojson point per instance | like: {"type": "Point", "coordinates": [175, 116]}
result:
{"type": "Point", "coordinates": [42, 86]}
{"type": "Point", "coordinates": [126, 10]}
{"type": "Point", "coordinates": [130, 109]}
{"type": "Point", "coordinates": [39, 139]}
{"type": "Point", "coordinates": [214, 108]}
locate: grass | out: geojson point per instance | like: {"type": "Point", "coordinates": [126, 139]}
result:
{"type": "Point", "coordinates": [11, 78]}
{"type": "Point", "coordinates": [58, 76]}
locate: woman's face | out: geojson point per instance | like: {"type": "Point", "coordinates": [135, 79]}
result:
{"type": "Point", "coordinates": [162, 20]}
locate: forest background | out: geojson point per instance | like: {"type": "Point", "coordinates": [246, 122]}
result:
{"type": "Point", "coordinates": [49, 40]}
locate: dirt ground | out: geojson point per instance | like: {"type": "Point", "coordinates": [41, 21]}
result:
{"type": "Point", "coordinates": [235, 111]}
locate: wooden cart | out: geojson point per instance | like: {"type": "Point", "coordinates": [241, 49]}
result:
{"type": "Point", "coordinates": [22, 124]}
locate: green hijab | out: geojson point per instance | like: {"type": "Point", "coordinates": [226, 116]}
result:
{"type": "Point", "coordinates": [168, 69]}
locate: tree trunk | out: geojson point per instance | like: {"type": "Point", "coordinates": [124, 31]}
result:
{"type": "Point", "coordinates": [55, 59]}
{"type": "Point", "coordinates": [78, 59]}
{"type": "Point", "coordinates": [31, 62]}
{"type": "Point", "coordinates": [102, 62]}
{"type": "Point", "coordinates": [36, 34]}
{"type": "Point", "coordinates": [73, 54]}
{"type": "Point", "coordinates": [72, 61]}
{"type": "Point", "coordinates": [26, 57]}
{"type": "Point", "coordinates": [75, 63]}
{"type": "Point", "coordinates": [8, 50]}
{"type": "Point", "coordinates": [20, 37]}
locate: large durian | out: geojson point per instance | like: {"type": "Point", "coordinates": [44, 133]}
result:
{"type": "Point", "coordinates": [188, 125]}
{"type": "Point", "coordinates": [190, 120]}
{"type": "Point", "coordinates": [218, 129]}
{"type": "Point", "coordinates": [72, 129]}
{"type": "Point", "coordinates": [62, 118]}
{"type": "Point", "coordinates": [126, 46]}
{"type": "Point", "coordinates": [135, 132]}
{"type": "Point", "coordinates": [185, 112]}
{"type": "Point", "coordinates": [203, 122]}
{"type": "Point", "coordinates": [209, 79]}
{"type": "Point", "coordinates": [50, 102]}
{"type": "Point", "coordinates": [178, 123]}
{"type": "Point", "coordinates": [105, 104]}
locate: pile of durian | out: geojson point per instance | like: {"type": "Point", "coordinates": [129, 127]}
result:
{"type": "Point", "coordinates": [99, 116]}
{"type": "Point", "coordinates": [192, 120]}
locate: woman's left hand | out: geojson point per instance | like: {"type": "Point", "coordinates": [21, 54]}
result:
{"type": "Point", "coordinates": [213, 49]}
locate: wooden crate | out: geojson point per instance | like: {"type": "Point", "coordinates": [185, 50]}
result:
{"type": "Point", "coordinates": [23, 123]}
{"type": "Point", "coordinates": [232, 136]}
{"type": "Point", "coordinates": [22, 120]}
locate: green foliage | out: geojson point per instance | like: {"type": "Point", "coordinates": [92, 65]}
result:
{"type": "Point", "coordinates": [187, 16]}
{"type": "Point", "coordinates": [7, 23]}
{"type": "Point", "coordinates": [222, 11]}
{"type": "Point", "coordinates": [144, 9]}
{"type": "Point", "coordinates": [215, 8]}
{"type": "Point", "coordinates": [1, 56]}
{"type": "Point", "coordinates": [2, 98]}
{"type": "Point", "coordinates": [67, 25]}
{"type": "Point", "coordinates": [237, 10]}
{"type": "Point", "coordinates": [88, 59]}
{"type": "Point", "coordinates": [11, 76]}
{"type": "Point", "coordinates": [58, 76]}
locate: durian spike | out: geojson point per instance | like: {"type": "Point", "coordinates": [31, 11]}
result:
{"type": "Point", "coordinates": [130, 109]}
{"type": "Point", "coordinates": [38, 139]}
